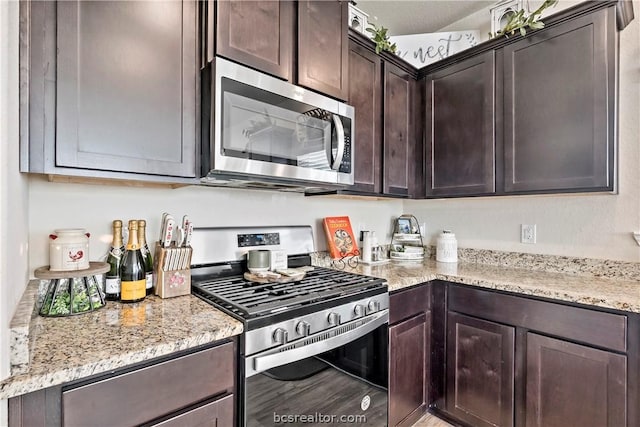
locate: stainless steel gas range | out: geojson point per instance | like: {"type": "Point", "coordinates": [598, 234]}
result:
{"type": "Point", "coordinates": [314, 351]}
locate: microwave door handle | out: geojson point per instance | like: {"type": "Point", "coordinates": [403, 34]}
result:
{"type": "Point", "coordinates": [341, 143]}
{"type": "Point", "coordinates": [262, 363]}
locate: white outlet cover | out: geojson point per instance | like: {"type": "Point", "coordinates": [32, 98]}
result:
{"type": "Point", "coordinates": [528, 233]}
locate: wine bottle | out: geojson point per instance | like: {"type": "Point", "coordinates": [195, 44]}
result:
{"type": "Point", "coordinates": [146, 256]}
{"type": "Point", "coordinates": [132, 274]}
{"type": "Point", "coordinates": [112, 279]}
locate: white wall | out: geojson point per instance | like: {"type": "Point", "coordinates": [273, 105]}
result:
{"type": "Point", "coordinates": [93, 207]}
{"type": "Point", "coordinates": [597, 226]}
{"type": "Point", "coordinates": [13, 188]}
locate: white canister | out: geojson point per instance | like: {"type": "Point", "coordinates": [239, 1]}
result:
{"type": "Point", "coordinates": [69, 250]}
{"type": "Point", "coordinates": [447, 247]}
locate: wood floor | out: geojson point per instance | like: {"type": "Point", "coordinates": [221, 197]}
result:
{"type": "Point", "coordinates": [429, 420]}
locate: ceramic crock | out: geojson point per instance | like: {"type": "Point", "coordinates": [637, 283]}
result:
{"type": "Point", "coordinates": [69, 250]}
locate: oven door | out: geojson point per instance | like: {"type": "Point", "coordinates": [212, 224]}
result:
{"type": "Point", "coordinates": [331, 378]}
{"type": "Point", "coordinates": [264, 126]}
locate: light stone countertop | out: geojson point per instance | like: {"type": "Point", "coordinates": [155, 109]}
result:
{"type": "Point", "coordinates": [69, 348]}
{"type": "Point", "coordinates": [617, 294]}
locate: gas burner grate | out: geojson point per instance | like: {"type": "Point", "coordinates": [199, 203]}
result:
{"type": "Point", "coordinates": [250, 299]}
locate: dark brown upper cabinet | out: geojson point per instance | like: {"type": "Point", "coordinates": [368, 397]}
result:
{"type": "Point", "coordinates": [323, 46]}
{"type": "Point", "coordinates": [532, 114]}
{"type": "Point", "coordinates": [259, 34]}
{"type": "Point", "coordinates": [382, 89]}
{"type": "Point", "coordinates": [559, 107]}
{"type": "Point", "coordinates": [365, 95]}
{"type": "Point", "coordinates": [111, 92]}
{"type": "Point", "coordinates": [460, 128]}
{"type": "Point", "coordinates": [398, 130]}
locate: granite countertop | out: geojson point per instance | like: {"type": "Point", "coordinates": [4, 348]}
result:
{"type": "Point", "coordinates": [68, 348]}
{"type": "Point", "coordinates": [619, 294]}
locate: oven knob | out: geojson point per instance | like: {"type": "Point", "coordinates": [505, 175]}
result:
{"type": "Point", "coordinates": [373, 306]}
{"type": "Point", "coordinates": [280, 336]}
{"type": "Point", "coordinates": [303, 328]}
{"type": "Point", "coordinates": [359, 310]}
{"type": "Point", "coordinates": [334, 318]}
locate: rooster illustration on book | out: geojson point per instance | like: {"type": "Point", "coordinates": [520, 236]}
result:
{"type": "Point", "coordinates": [343, 241]}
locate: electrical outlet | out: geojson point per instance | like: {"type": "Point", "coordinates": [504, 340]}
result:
{"type": "Point", "coordinates": [527, 233]}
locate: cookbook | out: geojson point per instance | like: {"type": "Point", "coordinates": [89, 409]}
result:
{"type": "Point", "coordinates": [340, 238]}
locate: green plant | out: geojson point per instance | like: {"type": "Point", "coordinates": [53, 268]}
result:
{"type": "Point", "coordinates": [381, 39]}
{"type": "Point", "coordinates": [520, 22]}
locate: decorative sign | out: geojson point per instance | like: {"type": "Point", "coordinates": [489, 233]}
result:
{"type": "Point", "coordinates": [423, 49]}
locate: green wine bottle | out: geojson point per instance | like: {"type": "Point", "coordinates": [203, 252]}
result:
{"type": "Point", "coordinates": [146, 255]}
{"type": "Point", "coordinates": [132, 272]}
{"type": "Point", "coordinates": [112, 279]}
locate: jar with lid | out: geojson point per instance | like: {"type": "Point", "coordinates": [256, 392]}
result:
{"type": "Point", "coordinates": [447, 247]}
{"type": "Point", "coordinates": [69, 249]}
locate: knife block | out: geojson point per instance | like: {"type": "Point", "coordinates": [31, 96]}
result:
{"type": "Point", "coordinates": [172, 271]}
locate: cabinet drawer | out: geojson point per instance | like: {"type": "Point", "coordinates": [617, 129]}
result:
{"type": "Point", "coordinates": [151, 392]}
{"type": "Point", "coordinates": [579, 324]}
{"type": "Point", "coordinates": [409, 302]}
{"type": "Point", "coordinates": [216, 413]}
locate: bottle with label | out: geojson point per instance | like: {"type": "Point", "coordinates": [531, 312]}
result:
{"type": "Point", "coordinates": [146, 256]}
{"type": "Point", "coordinates": [114, 259]}
{"type": "Point", "coordinates": [132, 272]}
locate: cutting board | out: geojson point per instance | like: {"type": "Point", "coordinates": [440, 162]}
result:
{"type": "Point", "coordinates": [258, 278]}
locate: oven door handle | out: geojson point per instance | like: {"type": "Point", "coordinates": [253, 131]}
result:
{"type": "Point", "coordinates": [341, 142]}
{"type": "Point", "coordinates": [258, 364]}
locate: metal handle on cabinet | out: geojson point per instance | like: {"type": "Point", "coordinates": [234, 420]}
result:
{"type": "Point", "coordinates": [258, 364]}
{"type": "Point", "coordinates": [341, 142]}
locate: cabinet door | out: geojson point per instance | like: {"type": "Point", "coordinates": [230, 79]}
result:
{"type": "Point", "coordinates": [323, 46]}
{"type": "Point", "coordinates": [398, 138]}
{"type": "Point", "coordinates": [574, 385]}
{"type": "Point", "coordinates": [460, 155]}
{"type": "Point", "coordinates": [409, 353]}
{"type": "Point", "coordinates": [480, 377]}
{"type": "Point", "coordinates": [559, 95]}
{"type": "Point", "coordinates": [126, 86]}
{"type": "Point", "coordinates": [258, 34]}
{"type": "Point", "coordinates": [365, 87]}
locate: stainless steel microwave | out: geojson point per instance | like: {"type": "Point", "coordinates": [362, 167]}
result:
{"type": "Point", "coordinates": [266, 131]}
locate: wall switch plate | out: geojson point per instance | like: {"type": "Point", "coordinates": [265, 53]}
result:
{"type": "Point", "coordinates": [636, 236]}
{"type": "Point", "coordinates": [527, 233]}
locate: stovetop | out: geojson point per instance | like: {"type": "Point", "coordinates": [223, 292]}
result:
{"type": "Point", "coordinates": [247, 300]}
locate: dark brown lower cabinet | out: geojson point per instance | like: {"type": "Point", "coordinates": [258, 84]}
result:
{"type": "Point", "coordinates": [512, 360]}
{"type": "Point", "coordinates": [480, 374]}
{"type": "Point", "coordinates": [192, 389]}
{"type": "Point", "coordinates": [571, 384]}
{"type": "Point", "coordinates": [409, 354]}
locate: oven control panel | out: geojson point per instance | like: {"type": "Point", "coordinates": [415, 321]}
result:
{"type": "Point", "coordinates": [288, 331]}
{"type": "Point", "coordinates": [258, 239]}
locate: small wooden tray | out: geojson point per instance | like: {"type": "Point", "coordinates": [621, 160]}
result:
{"type": "Point", "coordinates": [266, 279]}
{"type": "Point", "coordinates": [94, 268]}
